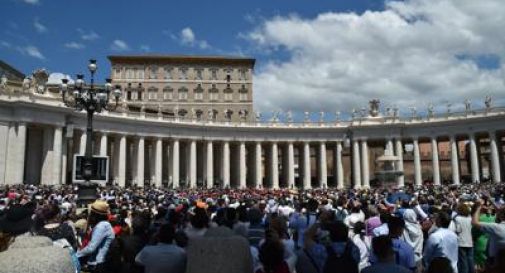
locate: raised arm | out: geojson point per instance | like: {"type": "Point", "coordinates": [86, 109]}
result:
{"type": "Point", "coordinates": [476, 213]}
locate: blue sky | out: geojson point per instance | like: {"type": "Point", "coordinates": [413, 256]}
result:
{"type": "Point", "coordinates": [68, 32]}
{"type": "Point", "coordinates": [323, 55]}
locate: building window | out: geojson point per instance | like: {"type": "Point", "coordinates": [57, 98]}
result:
{"type": "Point", "coordinates": [152, 72]}
{"type": "Point", "coordinates": [213, 74]}
{"type": "Point", "coordinates": [168, 73]}
{"type": "Point", "coordinates": [183, 93]}
{"type": "Point", "coordinates": [243, 74]}
{"type": "Point", "coordinates": [243, 96]}
{"type": "Point", "coordinates": [168, 93]}
{"type": "Point", "coordinates": [117, 73]}
{"type": "Point", "coordinates": [129, 73]}
{"type": "Point", "coordinates": [228, 96]}
{"type": "Point", "coordinates": [152, 93]}
{"type": "Point", "coordinates": [183, 73]}
{"type": "Point", "coordinates": [198, 92]}
{"type": "Point", "coordinates": [199, 74]}
{"type": "Point", "coordinates": [140, 73]}
{"type": "Point", "coordinates": [242, 93]}
{"type": "Point", "coordinates": [228, 74]}
{"type": "Point", "coordinates": [134, 95]}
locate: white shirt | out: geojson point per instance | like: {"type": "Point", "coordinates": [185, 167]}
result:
{"type": "Point", "coordinates": [442, 243]}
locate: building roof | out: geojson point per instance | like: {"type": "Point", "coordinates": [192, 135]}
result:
{"type": "Point", "coordinates": [155, 58]}
{"type": "Point", "coordinates": [11, 70]}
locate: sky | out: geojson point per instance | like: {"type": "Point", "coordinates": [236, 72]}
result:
{"type": "Point", "coordinates": [316, 55]}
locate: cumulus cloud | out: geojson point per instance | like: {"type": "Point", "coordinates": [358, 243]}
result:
{"type": "Point", "coordinates": [187, 38]}
{"type": "Point", "coordinates": [410, 54]}
{"type": "Point", "coordinates": [88, 35]}
{"type": "Point", "coordinates": [32, 51]}
{"type": "Point", "coordinates": [119, 45]}
{"type": "Point", "coordinates": [39, 27]}
{"type": "Point", "coordinates": [74, 45]}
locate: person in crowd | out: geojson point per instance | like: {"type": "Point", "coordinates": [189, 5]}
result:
{"type": "Point", "coordinates": [54, 228]}
{"type": "Point", "coordinates": [271, 255]}
{"type": "Point", "coordinates": [413, 235]}
{"type": "Point", "coordinates": [496, 231]}
{"type": "Point", "coordinates": [299, 222]}
{"type": "Point", "coordinates": [440, 265]}
{"type": "Point", "coordinates": [373, 221]}
{"type": "Point", "coordinates": [382, 247]}
{"type": "Point", "coordinates": [443, 242]}
{"type": "Point", "coordinates": [363, 242]}
{"type": "Point", "coordinates": [462, 226]}
{"type": "Point", "coordinates": [124, 249]}
{"type": "Point", "coordinates": [101, 237]}
{"type": "Point", "coordinates": [199, 223]}
{"type": "Point", "coordinates": [165, 256]}
{"type": "Point", "coordinates": [256, 230]}
{"type": "Point", "coordinates": [27, 252]}
{"type": "Point", "coordinates": [383, 228]}
{"type": "Point", "coordinates": [340, 253]}
{"type": "Point", "coordinates": [480, 239]}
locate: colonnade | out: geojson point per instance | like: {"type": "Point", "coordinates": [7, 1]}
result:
{"type": "Point", "coordinates": [199, 162]}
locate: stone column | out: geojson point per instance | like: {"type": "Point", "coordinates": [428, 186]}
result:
{"type": "Point", "coordinates": [356, 164]}
{"type": "Point", "coordinates": [474, 161]}
{"type": "Point", "coordinates": [242, 166]}
{"type": "Point", "coordinates": [323, 166]}
{"type": "Point", "coordinates": [454, 160]}
{"type": "Point", "coordinates": [399, 153]}
{"type": "Point", "coordinates": [291, 165]}
{"type": "Point", "coordinates": [122, 161]}
{"type": "Point", "coordinates": [82, 143]}
{"type": "Point", "coordinates": [47, 170]}
{"type": "Point", "coordinates": [339, 167]}
{"type": "Point", "coordinates": [192, 164]}
{"type": "Point", "coordinates": [418, 180]}
{"type": "Point", "coordinates": [434, 160]}
{"type": "Point", "coordinates": [306, 166]}
{"type": "Point", "coordinates": [495, 159]}
{"type": "Point", "coordinates": [64, 161]}
{"type": "Point", "coordinates": [258, 174]}
{"type": "Point", "coordinates": [365, 169]}
{"type": "Point", "coordinates": [103, 144]}
{"type": "Point", "coordinates": [175, 163]}
{"type": "Point", "coordinates": [57, 154]}
{"type": "Point", "coordinates": [158, 172]}
{"type": "Point", "coordinates": [275, 166]}
{"type": "Point", "coordinates": [140, 161]}
{"type": "Point", "coordinates": [226, 164]}
{"type": "Point", "coordinates": [209, 164]}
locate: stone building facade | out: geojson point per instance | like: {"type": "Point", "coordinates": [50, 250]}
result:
{"type": "Point", "coordinates": [187, 87]}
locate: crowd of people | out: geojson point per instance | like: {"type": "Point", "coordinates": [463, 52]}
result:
{"type": "Point", "coordinates": [428, 229]}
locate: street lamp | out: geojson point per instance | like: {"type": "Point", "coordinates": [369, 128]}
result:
{"type": "Point", "coordinates": [92, 99]}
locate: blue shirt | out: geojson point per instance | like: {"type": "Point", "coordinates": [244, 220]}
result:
{"type": "Point", "coordinates": [442, 243]}
{"type": "Point", "coordinates": [404, 254]}
{"type": "Point", "coordinates": [300, 223]}
{"type": "Point", "coordinates": [98, 247]}
{"type": "Point", "coordinates": [319, 254]}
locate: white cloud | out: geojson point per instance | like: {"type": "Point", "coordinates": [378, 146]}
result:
{"type": "Point", "coordinates": [55, 78]}
{"type": "Point", "coordinates": [408, 54]}
{"type": "Point", "coordinates": [39, 27]}
{"type": "Point", "coordinates": [32, 2]}
{"type": "Point", "coordinates": [74, 45]}
{"type": "Point", "coordinates": [88, 35]}
{"type": "Point", "coordinates": [119, 45]}
{"type": "Point", "coordinates": [188, 38]}
{"type": "Point", "coordinates": [145, 48]}
{"type": "Point", "coordinates": [31, 51]}
{"type": "Point", "coordinates": [5, 44]}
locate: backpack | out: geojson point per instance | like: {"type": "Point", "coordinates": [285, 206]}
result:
{"type": "Point", "coordinates": [340, 263]}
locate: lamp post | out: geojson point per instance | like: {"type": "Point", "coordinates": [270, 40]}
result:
{"type": "Point", "coordinates": [92, 99]}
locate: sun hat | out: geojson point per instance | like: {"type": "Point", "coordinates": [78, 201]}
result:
{"type": "Point", "coordinates": [100, 207]}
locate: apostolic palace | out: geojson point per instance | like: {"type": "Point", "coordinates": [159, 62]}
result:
{"type": "Point", "coordinates": [188, 121]}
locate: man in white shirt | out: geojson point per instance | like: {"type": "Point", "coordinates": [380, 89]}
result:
{"type": "Point", "coordinates": [443, 242]}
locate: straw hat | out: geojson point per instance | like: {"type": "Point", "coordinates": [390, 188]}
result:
{"type": "Point", "coordinates": [100, 207]}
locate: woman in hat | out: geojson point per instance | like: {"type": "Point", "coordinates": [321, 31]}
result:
{"type": "Point", "coordinates": [101, 236]}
